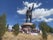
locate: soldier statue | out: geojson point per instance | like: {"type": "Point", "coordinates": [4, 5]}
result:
{"type": "Point", "coordinates": [29, 14]}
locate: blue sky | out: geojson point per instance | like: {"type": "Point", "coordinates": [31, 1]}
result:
{"type": "Point", "coordinates": [10, 7]}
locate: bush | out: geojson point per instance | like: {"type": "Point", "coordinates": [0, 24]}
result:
{"type": "Point", "coordinates": [15, 29]}
{"type": "Point", "coordinates": [2, 25]}
{"type": "Point", "coordinates": [44, 35]}
{"type": "Point", "coordinates": [45, 29]}
{"type": "Point", "coordinates": [33, 26]}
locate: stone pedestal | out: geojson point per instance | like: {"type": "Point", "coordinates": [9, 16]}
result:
{"type": "Point", "coordinates": [26, 27]}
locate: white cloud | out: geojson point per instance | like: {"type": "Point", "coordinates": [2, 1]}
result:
{"type": "Point", "coordinates": [43, 19]}
{"type": "Point", "coordinates": [37, 13]}
{"type": "Point", "coordinates": [27, 4]}
{"type": "Point", "coordinates": [48, 20]}
{"type": "Point", "coordinates": [22, 11]}
{"type": "Point", "coordinates": [10, 26]}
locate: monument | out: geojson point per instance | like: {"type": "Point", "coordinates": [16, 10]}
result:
{"type": "Point", "coordinates": [29, 14]}
{"type": "Point", "coordinates": [26, 27]}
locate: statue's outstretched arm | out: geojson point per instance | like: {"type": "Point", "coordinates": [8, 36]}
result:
{"type": "Point", "coordinates": [32, 6]}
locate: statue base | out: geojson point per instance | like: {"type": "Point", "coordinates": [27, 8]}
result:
{"type": "Point", "coordinates": [26, 27]}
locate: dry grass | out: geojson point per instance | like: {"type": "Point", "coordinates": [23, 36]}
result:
{"type": "Point", "coordinates": [21, 36]}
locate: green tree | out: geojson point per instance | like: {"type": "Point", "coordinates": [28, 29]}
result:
{"type": "Point", "coordinates": [51, 30]}
{"type": "Point", "coordinates": [44, 26]}
{"type": "Point", "coordinates": [33, 26]}
{"type": "Point", "coordinates": [2, 25]}
{"type": "Point", "coordinates": [15, 29]}
{"type": "Point", "coordinates": [45, 29]}
{"type": "Point", "coordinates": [7, 26]}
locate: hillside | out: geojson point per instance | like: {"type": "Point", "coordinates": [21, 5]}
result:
{"type": "Point", "coordinates": [21, 36]}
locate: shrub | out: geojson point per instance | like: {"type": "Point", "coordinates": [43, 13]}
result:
{"type": "Point", "coordinates": [15, 29]}
{"type": "Point", "coordinates": [2, 25]}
